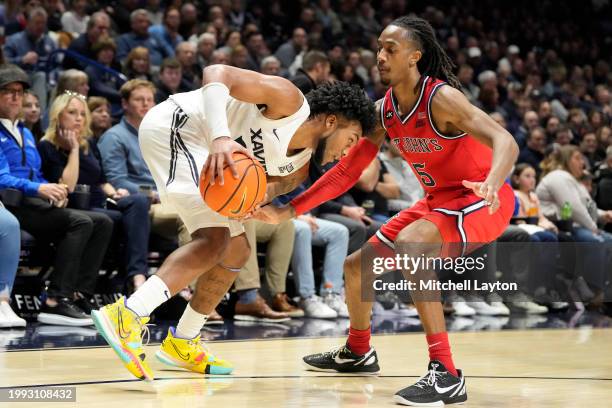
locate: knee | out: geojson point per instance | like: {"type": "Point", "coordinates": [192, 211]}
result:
{"type": "Point", "coordinates": [9, 226]}
{"type": "Point", "coordinates": [420, 238]}
{"type": "Point", "coordinates": [342, 233]}
{"type": "Point", "coordinates": [240, 253]}
{"type": "Point", "coordinates": [214, 242]}
{"type": "Point", "coordinates": [352, 266]}
{"type": "Point", "coordinates": [302, 231]}
{"type": "Point", "coordinates": [81, 222]}
{"type": "Point", "coordinates": [140, 203]}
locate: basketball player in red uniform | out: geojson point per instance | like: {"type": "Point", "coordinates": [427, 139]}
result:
{"type": "Point", "coordinates": [462, 158]}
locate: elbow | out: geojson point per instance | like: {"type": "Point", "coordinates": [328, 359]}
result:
{"type": "Point", "coordinates": [513, 149]}
{"type": "Point", "coordinates": [214, 73]}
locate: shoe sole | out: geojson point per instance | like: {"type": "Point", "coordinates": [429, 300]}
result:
{"type": "Point", "coordinates": [248, 318]}
{"type": "Point", "coordinates": [214, 323]}
{"type": "Point", "coordinates": [309, 367]}
{"type": "Point", "coordinates": [168, 360]}
{"type": "Point", "coordinates": [60, 320]}
{"type": "Point", "coordinates": [104, 327]}
{"type": "Point", "coordinates": [402, 401]}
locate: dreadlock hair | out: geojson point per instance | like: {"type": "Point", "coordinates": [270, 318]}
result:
{"type": "Point", "coordinates": [343, 99]}
{"type": "Point", "coordinates": [434, 61]}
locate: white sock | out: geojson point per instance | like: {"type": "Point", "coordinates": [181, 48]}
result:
{"type": "Point", "coordinates": [151, 294]}
{"type": "Point", "coordinates": [190, 324]}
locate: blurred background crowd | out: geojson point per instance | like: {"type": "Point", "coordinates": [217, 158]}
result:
{"type": "Point", "coordinates": [84, 74]}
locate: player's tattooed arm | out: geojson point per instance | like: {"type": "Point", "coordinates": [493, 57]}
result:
{"type": "Point", "coordinates": [453, 113]}
{"type": "Point", "coordinates": [283, 185]}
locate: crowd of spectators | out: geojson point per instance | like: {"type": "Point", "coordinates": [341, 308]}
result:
{"type": "Point", "coordinates": [84, 74]}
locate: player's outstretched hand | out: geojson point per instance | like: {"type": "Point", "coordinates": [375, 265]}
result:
{"type": "Point", "coordinates": [221, 153]}
{"type": "Point", "coordinates": [486, 191]}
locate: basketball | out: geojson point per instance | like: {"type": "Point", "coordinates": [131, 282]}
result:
{"type": "Point", "coordinates": [235, 197]}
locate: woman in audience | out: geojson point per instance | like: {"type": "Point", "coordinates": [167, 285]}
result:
{"type": "Point", "coordinates": [524, 184]}
{"type": "Point", "coordinates": [562, 171]}
{"type": "Point", "coordinates": [544, 258]}
{"type": "Point", "coordinates": [73, 80]}
{"type": "Point", "coordinates": [10, 240]}
{"type": "Point", "coordinates": [31, 114]}
{"type": "Point", "coordinates": [100, 116]}
{"type": "Point", "coordinates": [561, 187]}
{"type": "Point", "coordinates": [69, 154]}
{"type": "Point", "coordinates": [102, 82]}
{"type": "Point", "coordinates": [138, 64]}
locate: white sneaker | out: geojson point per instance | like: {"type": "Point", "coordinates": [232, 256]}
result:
{"type": "Point", "coordinates": [481, 307]}
{"type": "Point", "coordinates": [8, 318]}
{"type": "Point", "coordinates": [523, 303]}
{"type": "Point", "coordinates": [314, 307]}
{"type": "Point", "coordinates": [501, 308]}
{"type": "Point", "coordinates": [460, 307]}
{"type": "Point", "coordinates": [335, 302]}
{"type": "Point", "coordinates": [531, 307]}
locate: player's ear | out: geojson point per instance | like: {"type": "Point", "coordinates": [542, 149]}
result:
{"type": "Point", "coordinates": [331, 122]}
{"type": "Point", "coordinates": [414, 58]}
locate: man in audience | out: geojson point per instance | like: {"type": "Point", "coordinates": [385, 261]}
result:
{"type": "Point", "coordinates": [30, 49]}
{"type": "Point", "coordinates": [124, 166]}
{"type": "Point", "coordinates": [207, 43]}
{"type": "Point", "coordinates": [270, 66]}
{"type": "Point", "coordinates": [287, 52]}
{"type": "Point", "coordinates": [533, 152]}
{"type": "Point", "coordinates": [139, 37]}
{"type": "Point", "coordinates": [98, 27]}
{"type": "Point", "coordinates": [251, 306]}
{"type": "Point", "coordinates": [167, 33]}
{"type": "Point", "coordinates": [192, 73]}
{"type": "Point", "coordinates": [170, 75]}
{"type": "Point", "coordinates": [315, 70]}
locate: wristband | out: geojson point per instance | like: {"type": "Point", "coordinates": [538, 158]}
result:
{"type": "Point", "coordinates": [216, 96]}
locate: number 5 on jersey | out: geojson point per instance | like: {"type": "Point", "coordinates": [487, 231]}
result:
{"type": "Point", "coordinates": [426, 178]}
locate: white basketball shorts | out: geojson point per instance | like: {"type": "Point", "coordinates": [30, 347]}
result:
{"type": "Point", "coordinates": [175, 149]}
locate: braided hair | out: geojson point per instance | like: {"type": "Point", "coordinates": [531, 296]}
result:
{"type": "Point", "coordinates": [434, 61]}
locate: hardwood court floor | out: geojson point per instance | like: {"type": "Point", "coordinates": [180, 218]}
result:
{"type": "Point", "coordinates": [535, 368]}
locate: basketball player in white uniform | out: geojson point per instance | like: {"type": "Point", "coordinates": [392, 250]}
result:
{"type": "Point", "coordinates": [263, 116]}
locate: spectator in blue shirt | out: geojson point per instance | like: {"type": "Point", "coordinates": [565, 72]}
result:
{"type": "Point", "coordinates": [139, 37]}
{"type": "Point", "coordinates": [30, 48]}
{"type": "Point", "coordinates": [80, 238]}
{"type": "Point", "coordinates": [122, 161]}
{"type": "Point", "coordinates": [167, 33]}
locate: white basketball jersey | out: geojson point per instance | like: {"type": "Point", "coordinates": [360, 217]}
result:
{"type": "Point", "coordinates": [267, 139]}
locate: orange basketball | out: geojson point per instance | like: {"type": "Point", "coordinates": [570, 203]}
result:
{"type": "Point", "coordinates": [236, 197]}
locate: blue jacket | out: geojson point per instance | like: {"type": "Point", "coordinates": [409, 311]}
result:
{"type": "Point", "coordinates": [160, 33]}
{"type": "Point", "coordinates": [19, 44]}
{"type": "Point", "coordinates": [19, 168]}
{"type": "Point", "coordinates": [129, 41]}
{"type": "Point", "coordinates": [124, 166]}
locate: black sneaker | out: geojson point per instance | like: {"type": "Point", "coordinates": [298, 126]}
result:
{"type": "Point", "coordinates": [342, 360]}
{"type": "Point", "coordinates": [65, 313]}
{"type": "Point", "coordinates": [86, 305]}
{"type": "Point", "coordinates": [434, 389]}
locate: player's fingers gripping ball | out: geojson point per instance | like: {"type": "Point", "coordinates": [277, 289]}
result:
{"type": "Point", "coordinates": [236, 197]}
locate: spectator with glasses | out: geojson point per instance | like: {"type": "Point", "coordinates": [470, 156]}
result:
{"type": "Point", "coordinates": [79, 239]}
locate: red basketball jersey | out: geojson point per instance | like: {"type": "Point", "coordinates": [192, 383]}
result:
{"type": "Point", "coordinates": [439, 161]}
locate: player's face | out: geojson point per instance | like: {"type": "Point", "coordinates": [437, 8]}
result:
{"type": "Point", "coordinates": [343, 134]}
{"type": "Point", "coordinates": [396, 54]}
